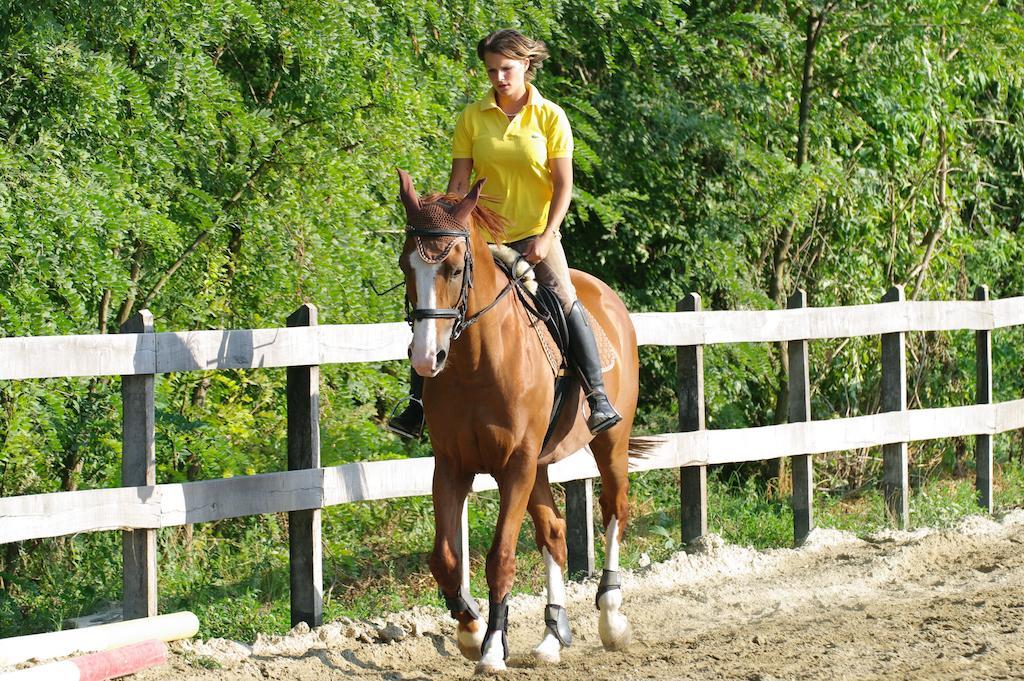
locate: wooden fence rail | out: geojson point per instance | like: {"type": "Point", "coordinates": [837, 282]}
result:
{"type": "Point", "coordinates": [142, 507]}
{"type": "Point", "coordinates": [174, 351]}
{"type": "Point", "coordinates": [154, 506]}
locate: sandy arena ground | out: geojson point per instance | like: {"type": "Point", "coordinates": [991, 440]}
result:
{"type": "Point", "coordinates": [930, 604]}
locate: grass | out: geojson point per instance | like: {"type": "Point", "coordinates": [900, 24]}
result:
{"type": "Point", "coordinates": [234, 574]}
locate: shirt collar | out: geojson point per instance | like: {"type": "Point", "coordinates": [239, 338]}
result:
{"type": "Point", "coordinates": [533, 98]}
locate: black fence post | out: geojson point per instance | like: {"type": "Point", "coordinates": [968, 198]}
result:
{"type": "Point", "coordinates": [895, 478]}
{"type": "Point", "coordinates": [983, 395]}
{"type": "Point", "coordinates": [138, 468]}
{"type": "Point", "coordinates": [304, 544]}
{"type": "Point", "coordinates": [579, 526]}
{"type": "Point", "coordinates": [693, 480]}
{"type": "Point", "coordinates": [799, 411]}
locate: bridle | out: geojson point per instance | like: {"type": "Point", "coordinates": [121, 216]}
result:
{"type": "Point", "coordinates": [458, 313]}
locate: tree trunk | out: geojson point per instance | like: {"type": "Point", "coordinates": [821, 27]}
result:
{"type": "Point", "coordinates": [780, 260]}
{"type": "Point", "coordinates": [125, 310]}
{"type": "Point", "coordinates": [104, 310]}
{"type": "Point", "coordinates": [931, 239]}
{"type": "Point", "coordinates": [70, 470]}
{"type": "Point", "coordinates": [781, 255]}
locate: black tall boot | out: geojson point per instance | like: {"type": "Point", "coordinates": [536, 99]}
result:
{"type": "Point", "coordinates": [583, 349]}
{"type": "Point", "coordinates": [409, 423]}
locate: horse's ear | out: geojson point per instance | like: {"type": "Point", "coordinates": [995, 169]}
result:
{"type": "Point", "coordinates": [468, 203]}
{"type": "Point", "coordinates": [408, 194]}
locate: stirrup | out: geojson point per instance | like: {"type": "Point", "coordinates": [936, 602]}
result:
{"type": "Point", "coordinates": [397, 425]}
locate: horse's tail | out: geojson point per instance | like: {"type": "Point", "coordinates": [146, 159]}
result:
{"type": "Point", "coordinates": [641, 447]}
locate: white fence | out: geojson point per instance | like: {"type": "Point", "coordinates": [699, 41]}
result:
{"type": "Point", "coordinates": [138, 354]}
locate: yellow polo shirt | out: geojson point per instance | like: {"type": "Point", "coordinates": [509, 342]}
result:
{"type": "Point", "coordinates": [513, 156]}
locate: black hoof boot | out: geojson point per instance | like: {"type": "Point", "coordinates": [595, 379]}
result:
{"type": "Point", "coordinates": [497, 625]}
{"type": "Point", "coordinates": [462, 602]}
{"type": "Point", "coordinates": [557, 622]}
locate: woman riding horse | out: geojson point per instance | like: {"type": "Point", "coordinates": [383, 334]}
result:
{"type": "Point", "coordinates": [522, 144]}
{"type": "Point", "coordinates": [490, 393]}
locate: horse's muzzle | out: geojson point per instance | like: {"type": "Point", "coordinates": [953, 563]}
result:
{"type": "Point", "coordinates": [431, 368]}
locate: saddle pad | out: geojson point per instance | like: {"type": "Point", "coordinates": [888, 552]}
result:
{"type": "Point", "coordinates": [554, 353]}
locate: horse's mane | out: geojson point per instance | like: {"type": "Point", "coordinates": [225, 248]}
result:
{"type": "Point", "coordinates": [483, 216]}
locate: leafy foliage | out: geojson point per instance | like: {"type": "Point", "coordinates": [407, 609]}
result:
{"type": "Point", "coordinates": [222, 162]}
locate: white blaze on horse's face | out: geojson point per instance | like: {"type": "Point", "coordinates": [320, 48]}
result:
{"type": "Point", "coordinates": [431, 286]}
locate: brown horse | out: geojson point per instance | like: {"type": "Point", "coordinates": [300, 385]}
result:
{"type": "Point", "coordinates": [488, 402]}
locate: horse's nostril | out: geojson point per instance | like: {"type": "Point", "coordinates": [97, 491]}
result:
{"type": "Point", "coordinates": [440, 357]}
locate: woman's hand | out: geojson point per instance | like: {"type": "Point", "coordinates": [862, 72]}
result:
{"type": "Point", "coordinates": [538, 249]}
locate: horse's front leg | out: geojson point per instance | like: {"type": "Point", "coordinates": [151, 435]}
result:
{"type": "Point", "coordinates": [515, 484]}
{"type": "Point", "coordinates": [550, 528]}
{"type": "Point", "coordinates": [450, 488]}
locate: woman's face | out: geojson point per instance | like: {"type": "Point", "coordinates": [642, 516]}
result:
{"type": "Point", "coordinates": [508, 76]}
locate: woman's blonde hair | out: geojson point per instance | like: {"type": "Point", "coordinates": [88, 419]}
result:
{"type": "Point", "coordinates": [512, 44]}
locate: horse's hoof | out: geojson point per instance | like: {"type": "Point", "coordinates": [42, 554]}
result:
{"type": "Point", "coordinates": [485, 667]}
{"type": "Point", "coordinates": [549, 650]}
{"type": "Point", "coordinates": [547, 657]}
{"type": "Point", "coordinates": [616, 633]}
{"type": "Point", "coordinates": [469, 641]}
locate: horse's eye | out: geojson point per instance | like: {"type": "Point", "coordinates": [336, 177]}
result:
{"type": "Point", "coordinates": [456, 272]}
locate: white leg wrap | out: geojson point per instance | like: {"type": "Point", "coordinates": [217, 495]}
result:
{"type": "Point", "coordinates": [612, 626]}
{"type": "Point", "coordinates": [556, 582]}
{"type": "Point", "coordinates": [549, 650]}
{"type": "Point", "coordinates": [611, 543]}
{"type": "Point", "coordinates": [493, 658]}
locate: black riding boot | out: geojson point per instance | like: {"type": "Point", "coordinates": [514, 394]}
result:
{"type": "Point", "coordinates": [583, 348]}
{"type": "Point", "coordinates": [409, 423]}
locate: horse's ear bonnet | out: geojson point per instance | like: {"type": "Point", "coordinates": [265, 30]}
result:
{"type": "Point", "coordinates": [468, 203]}
{"type": "Point", "coordinates": [436, 216]}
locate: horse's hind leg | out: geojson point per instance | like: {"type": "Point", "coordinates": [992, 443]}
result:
{"type": "Point", "coordinates": [611, 451]}
{"type": "Point", "coordinates": [550, 536]}
{"type": "Point", "coordinates": [450, 490]}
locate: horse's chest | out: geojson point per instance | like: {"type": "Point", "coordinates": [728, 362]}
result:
{"type": "Point", "coordinates": [484, 446]}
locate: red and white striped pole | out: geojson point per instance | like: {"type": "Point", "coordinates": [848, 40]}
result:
{"type": "Point", "coordinates": [108, 664]}
{"type": "Point", "coordinates": [56, 644]}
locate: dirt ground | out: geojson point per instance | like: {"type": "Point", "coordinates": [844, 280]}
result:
{"type": "Point", "coordinates": [928, 604]}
